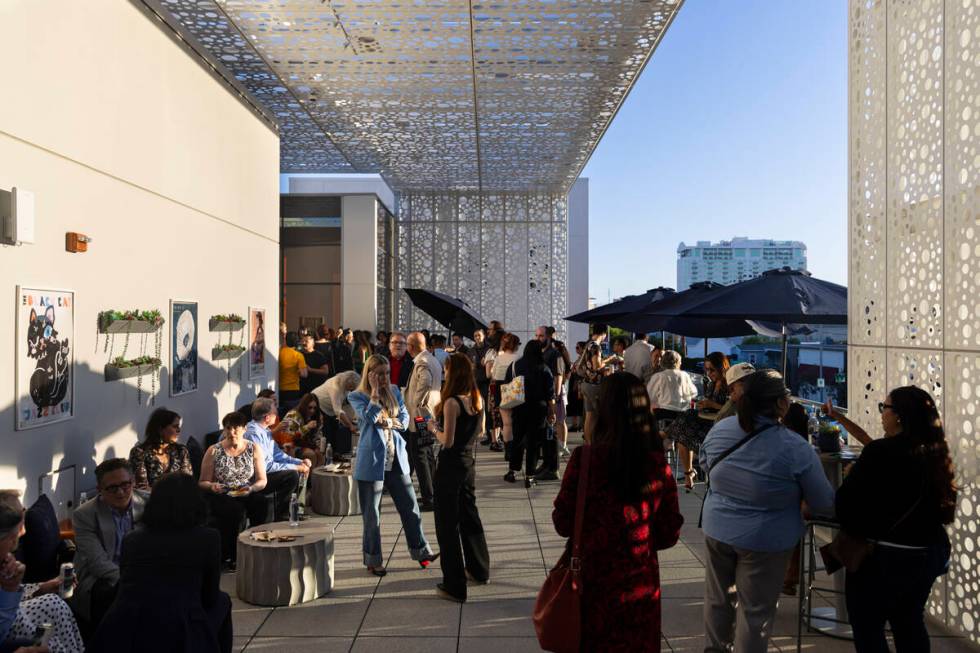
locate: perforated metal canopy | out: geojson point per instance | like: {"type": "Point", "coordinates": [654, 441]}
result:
{"type": "Point", "coordinates": [434, 95]}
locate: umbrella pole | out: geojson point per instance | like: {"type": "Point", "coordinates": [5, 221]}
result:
{"type": "Point", "coordinates": [784, 352]}
{"type": "Point", "coordinates": [705, 348]}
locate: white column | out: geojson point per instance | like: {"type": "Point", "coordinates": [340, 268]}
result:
{"type": "Point", "coordinates": [578, 259]}
{"type": "Point", "coordinates": [359, 255]}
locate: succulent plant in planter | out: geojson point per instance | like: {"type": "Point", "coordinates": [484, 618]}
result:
{"type": "Point", "coordinates": [141, 322]}
{"type": "Point", "coordinates": [229, 322]}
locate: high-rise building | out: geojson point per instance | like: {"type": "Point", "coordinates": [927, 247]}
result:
{"type": "Point", "coordinates": [731, 261]}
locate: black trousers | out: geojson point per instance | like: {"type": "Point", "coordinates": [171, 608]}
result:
{"type": "Point", "coordinates": [338, 435]}
{"type": "Point", "coordinates": [462, 542]}
{"type": "Point", "coordinates": [280, 485]}
{"type": "Point", "coordinates": [228, 517]}
{"type": "Point", "coordinates": [422, 461]}
{"type": "Point", "coordinates": [103, 594]}
{"type": "Point", "coordinates": [893, 586]}
{"type": "Point", "coordinates": [530, 432]}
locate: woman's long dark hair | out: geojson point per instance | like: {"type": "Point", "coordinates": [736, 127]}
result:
{"type": "Point", "coordinates": [534, 353]}
{"type": "Point", "coordinates": [720, 362]}
{"type": "Point", "coordinates": [760, 398]}
{"type": "Point", "coordinates": [920, 421]}
{"type": "Point", "coordinates": [175, 504]}
{"type": "Point", "coordinates": [459, 381]}
{"type": "Point", "coordinates": [160, 419]}
{"type": "Point", "coordinates": [625, 424]}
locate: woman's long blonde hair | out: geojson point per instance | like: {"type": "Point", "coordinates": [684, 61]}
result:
{"type": "Point", "coordinates": [386, 396]}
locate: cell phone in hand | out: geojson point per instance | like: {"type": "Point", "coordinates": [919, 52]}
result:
{"type": "Point", "coordinates": [42, 634]}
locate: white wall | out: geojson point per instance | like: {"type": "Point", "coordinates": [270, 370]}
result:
{"type": "Point", "coordinates": [359, 251]}
{"type": "Point", "coordinates": [124, 137]}
{"type": "Point", "coordinates": [578, 259]}
{"type": "Point", "coordinates": [338, 184]}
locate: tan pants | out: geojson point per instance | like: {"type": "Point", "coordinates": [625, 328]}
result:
{"type": "Point", "coordinates": [741, 590]}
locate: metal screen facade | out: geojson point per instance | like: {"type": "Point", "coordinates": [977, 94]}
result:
{"type": "Point", "coordinates": [914, 225]}
{"type": "Point", "coordinates": [503, 254]}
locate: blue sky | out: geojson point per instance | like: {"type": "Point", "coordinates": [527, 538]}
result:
{"type": "Point", "coordinates": [737, 127]}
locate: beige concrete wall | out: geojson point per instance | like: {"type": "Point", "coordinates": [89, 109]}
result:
{"type": "Point", "coordinates": [124, 137]}
{"type": "Point", "coordinates": [359, 250]}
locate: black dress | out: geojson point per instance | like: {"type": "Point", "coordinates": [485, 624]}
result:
{"type": "Point", "coordinates": [168, 598]}
{"type": "Point", "coordinates": [531, 419]}
{"type": "Point", "coordinates": [462, 542]}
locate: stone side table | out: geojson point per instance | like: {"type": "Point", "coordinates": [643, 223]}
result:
{"type": "Point", "coordinates": [334, 493]}
{"type": "Point", "coordinates": [285, 573]}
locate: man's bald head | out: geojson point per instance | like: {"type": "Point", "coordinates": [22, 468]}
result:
{"type": "Point", "coordinates": [416, 343]}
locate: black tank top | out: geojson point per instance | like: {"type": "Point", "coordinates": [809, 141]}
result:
{"type": "Point", "coordinates": [465, 431]}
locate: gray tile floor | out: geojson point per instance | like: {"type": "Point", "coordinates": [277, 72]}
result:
{"type": "Point", "coordinates": [400, 612]}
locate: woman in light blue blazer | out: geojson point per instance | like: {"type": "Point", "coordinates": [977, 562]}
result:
{"type": "Point", "coordinates": [382, 461]}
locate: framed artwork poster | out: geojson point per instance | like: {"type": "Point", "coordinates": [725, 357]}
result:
{"type": "Point", "coordinates": [44, 367]}
{"type": "Point", "coordinates": [183, 347]}
{"type": "Point", "coordinates": [256, 343]}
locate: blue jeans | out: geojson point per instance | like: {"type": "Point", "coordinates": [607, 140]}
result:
{"type": "Point", "coordinates": [402, 493]}
{"type": "Point", "coordinates": [893, 586]}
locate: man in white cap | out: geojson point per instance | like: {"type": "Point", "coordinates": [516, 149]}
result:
{"type": "Point", "coordinates": [733, 377]}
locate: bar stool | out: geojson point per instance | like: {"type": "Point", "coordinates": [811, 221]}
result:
{"type": "Point", "coordinates": [830, 620]}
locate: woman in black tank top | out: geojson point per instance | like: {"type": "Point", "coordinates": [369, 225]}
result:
{"type": "Point", "coordinates": [462, 543]}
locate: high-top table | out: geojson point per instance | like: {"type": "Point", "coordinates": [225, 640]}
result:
{"type": "Point", "coordinates": [285, 573]}
{"type": "Point", "coordinates": [334, 493]}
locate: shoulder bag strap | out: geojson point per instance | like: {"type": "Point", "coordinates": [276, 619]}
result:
{"type": "Point", "coordinates": [583, 487]}
{"type": "Point", "coordinates": [732, 449]}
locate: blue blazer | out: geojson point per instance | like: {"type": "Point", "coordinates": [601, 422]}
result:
{"type": "Point", "coordinates": [369, 465]}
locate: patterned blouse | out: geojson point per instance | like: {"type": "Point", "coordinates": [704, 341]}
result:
{"type": "Point", "coordinates": [295, 431]}
{"type": "Point", "coordinates": [147, 468]}
{"type": "Point", "coordinates": [234, 471]}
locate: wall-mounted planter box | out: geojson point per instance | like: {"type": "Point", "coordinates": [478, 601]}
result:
{"type": "Point", "coordinates": [216, 325]}
{"type": "Point", "coordinates": [113, 373]}
{"type": "Point", "coordinates": [130, 326]}
{"type": "Point", "coordinates": [218, 354]}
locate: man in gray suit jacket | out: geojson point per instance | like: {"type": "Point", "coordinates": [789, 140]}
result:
{"type": "Point", "coordinates": [100, 526]}
{"type": "Point", "coordinates": [421, 398]}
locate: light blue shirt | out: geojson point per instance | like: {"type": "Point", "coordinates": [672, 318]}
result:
{"type": "Point", "coordinates": [276, 460]}
{"type": "Point", "coordinates": [9, 604]}
{"type": "Point", "coordinates": [124, 523]}
{"type": "Point", "coordinates": [754, 498]}
{"type": "Point", "coordinates": [441, 355]}
{"type": "Point", "coordinates": [372, 450]}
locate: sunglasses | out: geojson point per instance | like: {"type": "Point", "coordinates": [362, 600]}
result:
{"type": "Point", "coordinates": [882, 406]}
{"type": "Point", "coordinates": [118, 487]}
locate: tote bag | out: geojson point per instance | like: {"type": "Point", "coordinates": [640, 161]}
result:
{"type": "Point", "coordinates": [512, 394]}
{"type": "Point", "coordinates": [558, 608]}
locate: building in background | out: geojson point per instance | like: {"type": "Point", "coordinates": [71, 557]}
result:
{"type": "Point", "coordinates": [738, 259]}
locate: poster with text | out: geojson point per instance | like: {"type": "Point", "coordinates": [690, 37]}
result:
{"type": "Point", "coordinates": [256, 343]}
{"type": "Point", "coordinates": [44, 365]}
{"type": "Point", "coordinates": [183, 347]}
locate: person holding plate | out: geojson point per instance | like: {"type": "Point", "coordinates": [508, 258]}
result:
{"type": "Point", "coordinates": [232, 474]}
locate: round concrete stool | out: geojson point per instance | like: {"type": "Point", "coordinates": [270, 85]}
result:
{"type": "Point", "coordinates": [285, 573]}
{"type": "Point", "coordinates": [334, 493]}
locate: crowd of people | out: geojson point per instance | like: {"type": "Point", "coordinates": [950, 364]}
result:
{"type": "Point", "coordinates": [151, 545]}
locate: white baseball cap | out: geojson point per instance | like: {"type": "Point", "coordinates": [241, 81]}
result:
{"type": "Point", "coordinates": [738, 372]}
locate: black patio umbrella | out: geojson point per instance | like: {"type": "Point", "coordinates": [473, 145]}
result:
{"type": "Point", "coordinates": [625, 306]}
{"type": "Point", "coordinates": [782, 296]}
{"type": "Point", "coordinates": [666, 315]}
{"type": "Point", "coordinates": [451, 312]}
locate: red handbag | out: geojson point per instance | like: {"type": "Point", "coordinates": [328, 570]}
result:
{"type": "Point", "coordinates": [558, 608]}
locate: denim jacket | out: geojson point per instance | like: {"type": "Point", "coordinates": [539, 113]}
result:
{"type": "Point", "coordinates": [369, 464]}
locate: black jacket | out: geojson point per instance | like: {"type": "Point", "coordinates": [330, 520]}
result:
{"type": "Point", "coordinates": [169, 597]}
{"type": "Point", "coordinates": [405, 371]}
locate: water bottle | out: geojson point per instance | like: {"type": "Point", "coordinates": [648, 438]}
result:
{"type": "Point", "coordinates": [328, 454]}
{"type": "Point", "coordinates": [294, 510]}
{"type": "Point", "coordinates": [67, 587]}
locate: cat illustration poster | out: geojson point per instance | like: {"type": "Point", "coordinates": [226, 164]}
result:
{"type": "Point", "coordinates": [183, 347]}
{"type": "Point", "coordinates": [45, 355]}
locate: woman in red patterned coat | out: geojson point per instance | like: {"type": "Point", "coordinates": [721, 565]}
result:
{"type": "Point", "coordinates": [630, 513]}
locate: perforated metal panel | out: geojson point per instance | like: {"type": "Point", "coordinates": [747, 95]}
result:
{"type": "Point", "coordinates": [442, 95]}
{"type": "Point", "coordinates": [503, 253]}
{"type": "Point", "coordinates": [914, 225]}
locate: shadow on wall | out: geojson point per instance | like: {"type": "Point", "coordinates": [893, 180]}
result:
{"type": "Point", "coordinates": [104, 409]}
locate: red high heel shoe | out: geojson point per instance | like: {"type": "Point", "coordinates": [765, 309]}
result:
{"type": "Point", "coordinates": [428, 560]}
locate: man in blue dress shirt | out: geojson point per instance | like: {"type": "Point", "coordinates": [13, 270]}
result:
{"type": "Point", "coordinates": [282, 470]}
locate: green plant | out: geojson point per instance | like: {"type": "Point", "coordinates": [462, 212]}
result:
{"type": "Point", "coordinates": [231, 317]}
{"type": "Point", "coordinates": [230, 347]}
{"type": "Point", "coordinates": [121, 362]}
{"type": "Point", "coordinates": [108, 317]}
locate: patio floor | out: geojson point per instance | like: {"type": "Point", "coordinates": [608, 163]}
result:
{"type": "Point", "coordinates": [400, 612]}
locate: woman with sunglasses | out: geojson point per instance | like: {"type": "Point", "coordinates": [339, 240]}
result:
{"type": "Point", "coordinates": [899, 495]}
{"type": "Point", "coordinates": [159, 453]}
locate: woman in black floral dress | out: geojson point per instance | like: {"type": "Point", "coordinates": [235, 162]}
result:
{"type": "Point", "coordinates": [159, 452]}
{"type": "Point", "coordinates": [689, 430]}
